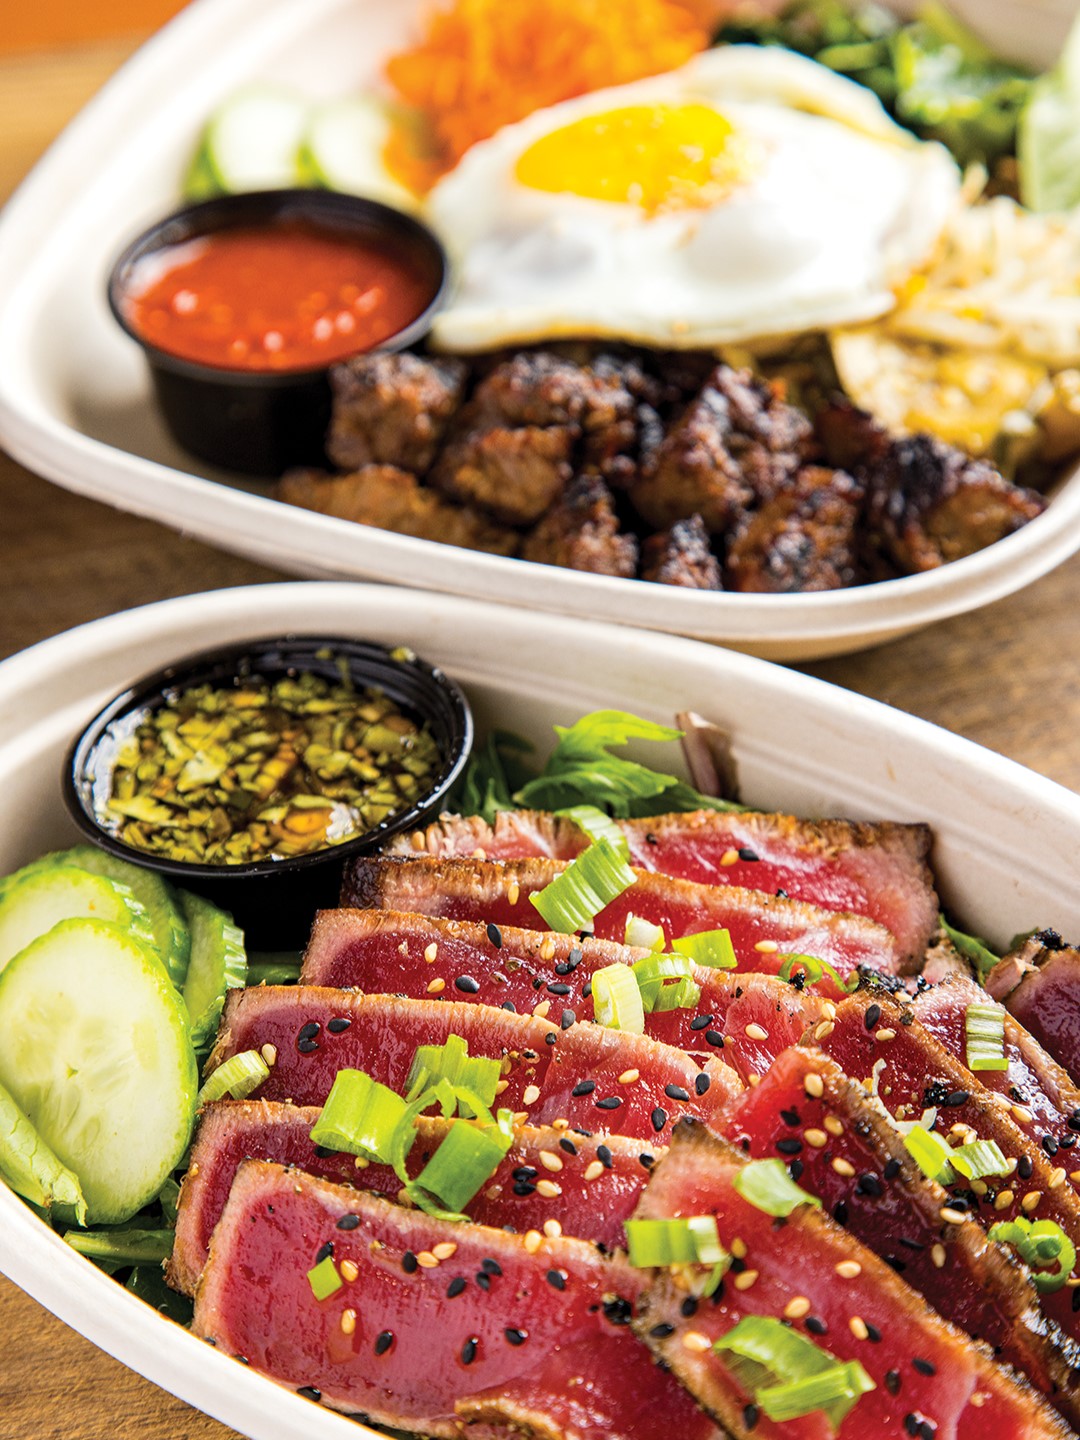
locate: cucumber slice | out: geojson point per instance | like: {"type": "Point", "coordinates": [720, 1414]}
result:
{"type": "Point", "coordinates": [253, 141]}
{"type": "Point", "coordinates": [218, 963]}
{"type": "Point", "coordinates": [167, 924]}
{"type": "Point", "coordinates": [342, 147]}
{"type": "Point", "coordinates": [39, 900]}
{"type": "Point", "coordinates": [31, 1168]}
{"type": "Point", "coordinates": [96, 1052]}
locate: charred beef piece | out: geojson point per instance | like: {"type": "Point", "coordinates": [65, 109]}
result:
{"type": "Point", "coordinates": [805, 537]}
{"type": "Point", "coordinates": [735, 444]}
{"type": "Point", "coordinates": [514, 474]}
{"type": "Point", "coordinates": [682, 556]}
{"type": "Point", "coordinates": [879, 870]}
{"type": "Point", "coordinates": [582, 532]}
{"type": "Point", "coordinates": [392, 409]}
{"type": "Point", "coordinates": [391, 499]}
{"type": "Point", "coordinates": [929, 504]}
{"type": "Point", "coordinates": [850, 438]}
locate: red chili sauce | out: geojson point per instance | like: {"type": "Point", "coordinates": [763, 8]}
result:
{"type": "Point", "coordinates": [286, 296]}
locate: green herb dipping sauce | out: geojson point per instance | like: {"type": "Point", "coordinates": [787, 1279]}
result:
{"type": "Point", "coordinates": [264, 770]}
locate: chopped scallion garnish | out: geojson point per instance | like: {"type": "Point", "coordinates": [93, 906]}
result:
{"type": "Point", "coordinates": [984, 1035]}
{"type": "Point", "coordinates": [597, 826]}
{"type": "Point", "coordinates": [973, 948]}
{"type": "Point", "coordinates": [590, 882]}
{"type": "Point", "coordinates": [838, 1387]}
{"type": "Point", "coordinates": [616, 998]}
{"type": "Point", "coordinates": [930, 1153]}
{"type": "Point", "coordinates": [463, 1162]}
{"type": "Point", "coordinates": [712, 948]}
{"type": "Point", "coordinates": [360, 1117]}
{"type": "Point", "coordinates": [1039, 1243]}
{"type": "Point", "coordinates": [814, 969]}
{"type": "Point", "coordinates": [666, 983]}
{"type": "Point", "coordinates": [451, 1062]}
{"type": "Point", "coordinates": [979, 1159]}
{"type": "Point", "coordinates": [643, 935]}
{"type": "Point", "coordinates": [767, 1186]}
{"type": "Point", "coordinates": [324, 1279]}
{"type": "Point", "coordinates": [772, 1360]}
{"type": "Point", "coordinates": [238, 1076]}
{"type": "Point", "coordinates": [691, 1240]}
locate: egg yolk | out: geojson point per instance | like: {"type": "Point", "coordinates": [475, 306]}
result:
{"type": "Point", "coordinates": [657, 157]}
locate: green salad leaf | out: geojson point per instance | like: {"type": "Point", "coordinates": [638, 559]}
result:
{"type": "Point", "coordinates": [1049, 137]}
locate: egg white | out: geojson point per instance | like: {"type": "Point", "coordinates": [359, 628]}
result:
{"type": "Point", "coordinates": [840, 206]}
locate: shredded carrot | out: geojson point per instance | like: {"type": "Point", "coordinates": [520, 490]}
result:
{"type": "Point", "coordinates": [482, 64]}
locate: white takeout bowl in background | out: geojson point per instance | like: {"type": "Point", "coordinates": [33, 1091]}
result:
{"type": "Point", "coordinates": [1004, 852]}
{"type": "Point", "coordinates": [76, 404]}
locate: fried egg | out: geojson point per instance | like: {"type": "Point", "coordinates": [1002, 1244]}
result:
{"type": "Point", "coordinates": [750, 193]}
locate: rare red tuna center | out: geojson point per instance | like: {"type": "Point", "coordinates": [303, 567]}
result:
{"type": "Point", "coordinates": [285, 296]}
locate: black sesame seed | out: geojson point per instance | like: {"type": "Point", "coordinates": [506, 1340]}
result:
{"type": "Point", "coordinates": [1067, 1142]}
{"type": "Point", "coordinates": [524, 1172]}
{"type": "Point", "coordinates": [840, 1212]}
{"type": "Point", "coordinates": [750, 1416]}
{"type": "Point", "coordinates": [509, 1005]}
{"type": "Point", "coordinates": [383, 1341]}
{"type": "Point", "coordinates": [484, 1281]}
{"type": "Point", "coordinates": [745, 853]}
{"type": "Point", "coordinates": [307, 1046]}
{"type": "Point", "coordinates": [924, 1367]}
{"type": "Point", "coordinates": [702, 1083]}
{"type": "Point", "coordinates": [872, 1016]}
{"type": "Point", "coordinates": [816, 1326]}
{"type": "Point", "coordinates": [659, 1118]}
{"type": "Point", "coordinates": [324, 1252]}
{"type": "Point", "coordinates": [567, 1145]}
{"type": "Point", "coordinates": [456, 1286]}
{"type": "Point", "coordinates": [562, 968]}
{"type": "Point", "coordinates": [338, 1025]}
{"type": "Point", "coordinates": [557, 987]}
{"type": "Point", "coordinates": [1025, 1166]}
{"type": "Point", "coordinates": [737, 1266]}
{"type": "Point", "coordinates": [348, 1222]}
{"type": "Point", "coordinates": [584, 1087]}
{"type": "Point", "coordinates": [892, 1169]}
{"type": "Point", "coordinates": [789, 1146]}
{"type": "Point", "coordinates": [557, 1279]}
{"type": "Point", "coordinates": [409, 1263]}
{"type": "Point", "coordinates": [618, 1311]}
{"type": "Point", "coordinates": [956, 1098]}
{"type": "Point", "coordinates": [713, 1037]}
{"type": "Point", "coordinates": [795, 1169]}
{"type": "Point", "coordinates": [782, 894]}
{"type": "Point", "coordinates": [550, 1038]}
{"type": "Point", "coordinates": [676, 1092]}
{"type": "Point", "coordinates": [895, 1263]}
{"type": "Point", "coordinates": [586, 989]}
{"type": "Point", "coordinates": [873, 1334]}
{"type": "Point", "coordinates": [869, 1185]}
{"type": "Point", "coordinates": [1073, 1121]}
{"type": "Point", "coordinates": [1075, 1300]}
{"type": "Point", "coordinates": [491, 1267]}
{"type": "Point", "coordinates": [650, 839]}
{"type": "Point", "coordinates": [310, 1393]}
{"type": "Point", "coordinates": [514, 1336]}
{"type": "Point", "coordinates": [494, 934]}
{"type": "Point", "coordinates": [308, 1031]}
{"type": "Point", "coordinates": [701, 1022]}
{"type": "Point", "coordinates": [688, 1308]}
{"type": "Point", "coordinates": [467, 984]}
{"type": "Point", "coordinates": [524, 1188]}
{"type": "Point", "coordinates": [662, 1331]}
{"type": "Point", "coordinates": [935, 1093]}
{"type": "Point", "coordinates": [911, 1425]}
{"type": "Point", "coordinates": [585, 1134]}
{"type": "Point", "coordinates": [609, 1102]}
{"type": "Point", "coordinates": [574, 957]}
{"type": "Point", "coordinates": [603, 1154]}
{"type": "Point", "coordinates": [927, 1431]}
{"type": "Point", "coordinates": [790, 1117]}
{"type": "Point", "coordinates": [1050, 1145]}
{"type": "Point", "coordinates": [469, 1349]}
{"type": "Point", "coordinates": [648, 1161]}
{"type": "Point", "coordinates": [892, 1381]}
{"type": "Point", "coordinates": [566, 1019]}
{"type": "Point", "coordinates": [911, 1244]}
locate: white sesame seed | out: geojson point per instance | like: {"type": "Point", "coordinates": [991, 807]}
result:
{"type": "Point", "coordinates": [513, 893]}
{"type": "Point", "coordinates": [884, 1035]}
{"type": "Point", "coordinates": [738, 1248]}
{"type": "Point", "coordinates": [1057, 1177]}
{"type": "Point", "coordinates": [548, 1189]}
{"type": "Point", "coordinates": [951, 1216]}
{"type": "Point", "coordinates": [937, 1255]}
{"type": "Point", "coordinates": [629, 1077]}
{"type": "Point", "coordinates": [1022, 1114]}
{"type": "Point", "coordinates": [532, 1094]}
{"type": "Point", "coordinates": [796, 1308]}
{"type": "Point", "coordinates": [269, 1054]}
{"type": "Point", "coordinates": [426, 1260]}
{"type": "Point", "coordinates": [419, 840]}
{"type": "Point", "coordinates": [547, 947]}
{"type": "Point", "coordinates": [753, 1081]}
{"type": "Point", "coordinates": [766, 947]}
{"type": "Point", "coordinates": [541, 1010]}
{"type": "Point", "coordinates": [501, 1085]}
{"type": "Point", "coordinates": [833, 1125]}
{"type": "Point", "coordinates": [757, 1032]}
{"type": "Point", "coordinates": [444, 1250]}
{"type": "Point", "coordinates": [550, 1160]}
{"type": "Point", "coordinates": [848, 1269]}
{"type": "Point", "coordinates": [814, 1086]}
{"type": "Point", "coordinates": [361, 1162]}
{"type": "Point", "coordinates": [437, 986]}
{"type": "Point", "coordinates": [729, 857]}
{"type": "Point", "coordinates": [815, 1138]}
{"type": "Point", "coordinates": [694, 1341]}
{"type": "Point", "coordinates": [348, 1322]}
{"type": "Point", "coordinates": [745, 1279]}
{"type": "Point", "coordinates": [532, 1242]}
{"type": "Point", "coordinates": [431, 952]}
{"type": "Point", "coordinates": [552, 1229]}
{"type": "Point", "coordinates": [857, 1326]}
{"type": "Point", "coordinates": [479, 853]}
{"type": "Point", "coordinates": [1003, 1199]}
{"type": "Point", "coordinates": [349, 1270]}
{"type": "Point", "coordinates": [1031, 1201]}
{"type": "Point", "coordinates": [843, 1167]}
{"type": "Point", "coordinates": [824, 1030]}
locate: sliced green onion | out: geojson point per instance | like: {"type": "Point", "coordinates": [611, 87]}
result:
{"type": "Point", "coordinates": [452, 1062]}
{"type": "Point", "coordinates": [360, 1117]}
{"type": "Point", "coordinates": [467, 1157]}
{"type": "Point", "coordinates": [1039, 1243]}
{"type": "Point", "coordinates": [816, 969]}
{"type": "Point", "coordinates": [833, 1391]}
{"type": "Point", "coordinates": [979, 1159]}
{"type": "Point", "coordinates": [984, 1034]}
{"type": "Point", "coordinates": [767, 1357]}
{"type": "Point", "coordinates": [324, 1279]}
{"type": "Point", "coordinates": [590, 882]}
{"type": "Point", "coordinates": [238, 1077]}
{"type": "Point", "coordinates": [767, 1186]}
{"type": "Point", "coordinates": [616, 998]}
{"type": "Point", "coordinates": [930, 1153]}
{"type": "Point", "coordinates": [598, 826]}
{"type": "Point", "coordinates": [712, 948]}
{"type": "Point", "coordinates": [666, 983]}
{"type": "Point", "coordinates": [123, 1247]}
{"type": "Point", "coordinates": [643, 934]}
{"type": "Point", "coordinates": [973, 948]}
{"type": "Point", "coordinates": [691, 1240]}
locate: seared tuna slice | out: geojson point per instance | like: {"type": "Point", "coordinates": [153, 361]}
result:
{"type": "Point", "coordinates": [929, 1378]}
{"type": "Point", "coordinates": [839, 1146]}
{"type": "Point", "coordinates": [579, 1075]}
{"type": "Point", "coordinates": [545, 974]}
{"type": "Point", "coordinates": [543, 1344]}
{"type": "Point", "coordinates": [1040, 984]}
{"type": "Point", "coordinates": [877, 870]}
{"type": "Point", "coordinates": [762, 927]}
{"type": "Point", "coordinates": [597, 1180]}
{"type": "Point", "coordinates": [1045, 1102]}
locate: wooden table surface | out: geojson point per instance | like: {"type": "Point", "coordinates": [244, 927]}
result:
{"type": "Point", "coordinates": [1008, 677]}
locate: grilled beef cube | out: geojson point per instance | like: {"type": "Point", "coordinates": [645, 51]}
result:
{"type": "Point", "coordinates": [682, 556]}
{"type": "Point", "coordinates": [736, 443]}
{"type": "Point", "coordinates": [582, 533]}
{"type": "Point", "coordinates": [391, 499]}
{"type": "Point", "coordinates": [515, 474]}
{"type": "Point", "coordinates": [928, 503]}
{"type": "Point", "coordinates": [850, 438]}
{"type": "Point", "coordinates": [392, 409]}
{"type": "Point", "coordinates": [804, 538]}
